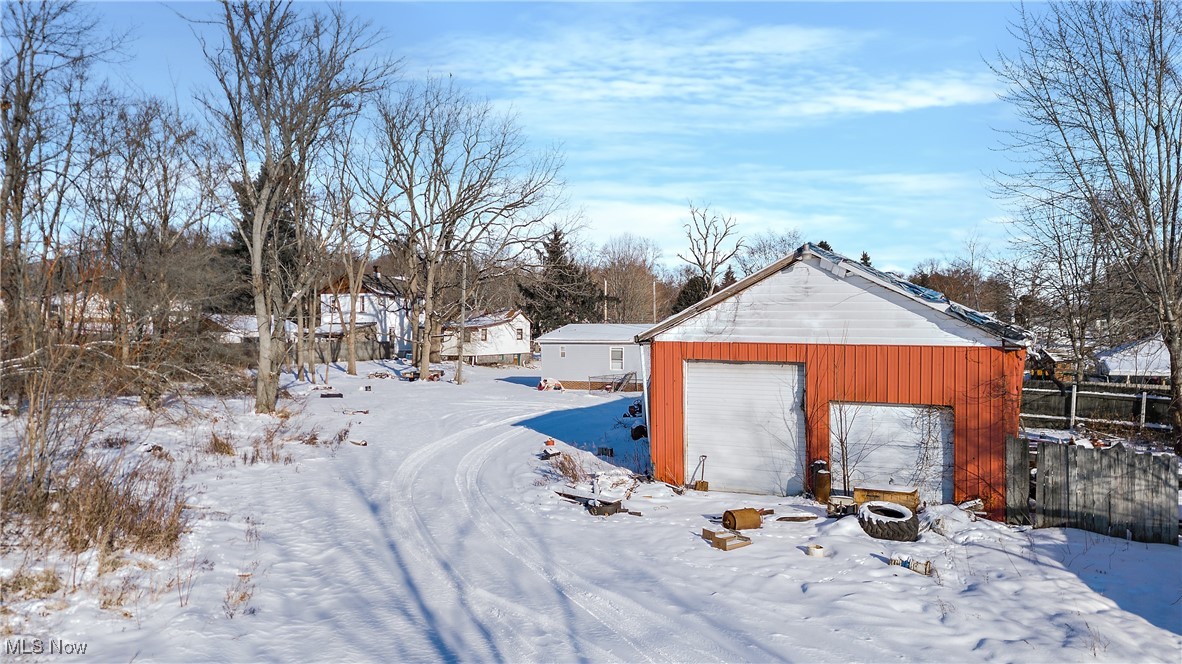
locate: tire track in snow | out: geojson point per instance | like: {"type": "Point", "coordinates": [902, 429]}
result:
{"type": "Point", "coordinates": [488, 615]}
{"type": "Point", "coordinates": [628, 619]}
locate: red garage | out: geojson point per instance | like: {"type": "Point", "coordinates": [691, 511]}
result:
{"type": "Point", "coordinates": [819, 357]}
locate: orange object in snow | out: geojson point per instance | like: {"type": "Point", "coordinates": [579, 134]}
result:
{"type": "Point", "coordinates": [549, 442]}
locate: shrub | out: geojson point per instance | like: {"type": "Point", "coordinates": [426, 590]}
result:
{"type": "Point", "coordinates": [102, 504]}
{"type": "Point", "coordinates": [220, 445]}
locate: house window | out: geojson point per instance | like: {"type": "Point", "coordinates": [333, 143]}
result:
{"type": "Point", "coordinates": [520, 334]}
{"type": "Point", "coordinates": [562, 351]}
{"type": "Point", "coordinates": [468, 336]}
{"type": "Point", "coordinates": [617, 359]}
{"type": "Point", "coordinates": [483, 334]}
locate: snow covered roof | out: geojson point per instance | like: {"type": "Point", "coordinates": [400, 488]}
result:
{"type": "Point", "coordinates": [1145, 357]}
{"type": "Point", "coordinates": [375, 282]}
{"type": "Point", "coordinates": [488, 319]}
{"type": "Point", "coordinates": [589, 333]}
{"type": "Point", "coordinates": [246, 324]}
{"type": "Point", "coordinates": [926, 296]}
{"type": "Point", "coordinates": [337, 329]}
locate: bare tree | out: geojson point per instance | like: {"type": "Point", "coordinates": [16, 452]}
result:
{"type": "Point", "coordinates": [48, 51]}
{"type": "Point", "coordinates": [766, 248]}
{"type": "Point", "coordinates": [357, 229]}
{"type": "Point", "coordinates": [1099, 87]}
{"type": "Point", "coordinates": [1068, 271]}
{"type": "Point", "coordinates": [464, 185]}
{"type": "Point", "coordinates": [629, 265]}
{"type": "Point", "coordinates": [710, 237]}
{"type": "Point", "coordinates": [286, 81]}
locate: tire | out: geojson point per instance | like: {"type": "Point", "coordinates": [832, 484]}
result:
{"type": "Point", "coordinates": [888, 521]}
{"type": "Point", "coordinates": [639, 431]}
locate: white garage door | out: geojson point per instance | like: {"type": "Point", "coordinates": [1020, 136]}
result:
{"type": "Point", "coordinates": [892, 444]}
{"type": "Point", "coordinates": [747, 421]}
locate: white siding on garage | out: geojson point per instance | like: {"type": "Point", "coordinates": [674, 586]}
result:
{"type": "Point", "coordinates": [747, 419]}
{"type": "Point", "coordinates": [806, 303]}
{"type": "Point", "coordinates": [900, 445]}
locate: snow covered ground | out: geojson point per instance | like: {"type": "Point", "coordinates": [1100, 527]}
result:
{"type": "Point", "coordinates": [443, 540]}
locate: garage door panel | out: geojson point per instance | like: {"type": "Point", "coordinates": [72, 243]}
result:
{"type": "Point", "coordinates": [746, 418]}
{"type": "Point", "coordinates": [902, 445]}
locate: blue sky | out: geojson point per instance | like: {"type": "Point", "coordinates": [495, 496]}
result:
{"type": "Point", "coordinates": [871, 126]}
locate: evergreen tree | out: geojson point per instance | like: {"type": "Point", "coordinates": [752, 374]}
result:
{"type": "Point", "coordinates": [866, 259]}
{"type": "Point", "coordinates": [728, 278]}
{"type": "Point", "coordinates": [279, 258]}
{"type": "Point", "coordinates": [695, 290]}
{"type": "Point", "coordinates": [562, 291]}
{"type": "Point", "coordinates": [824, 245]}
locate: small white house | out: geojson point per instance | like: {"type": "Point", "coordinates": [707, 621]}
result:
{"type": "Point", "coordinates": [1143, 361]}
{"type": "Point", "coordinates": [239, 328]}
{"type": "Point", "coordinates": [581, 356]}
{"type": "Point", "coordinates": [379, 303]}
{"type": "Point", "coordinates": [500, 337]}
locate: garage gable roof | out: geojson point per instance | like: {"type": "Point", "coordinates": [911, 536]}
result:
{"type": "Point", "coordinates": [837, 263]}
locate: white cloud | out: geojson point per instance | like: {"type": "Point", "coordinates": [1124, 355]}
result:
{"type": "Point", "coordinates": [649, 107]}
{"type": "Point", "coordinates": [631, 77]}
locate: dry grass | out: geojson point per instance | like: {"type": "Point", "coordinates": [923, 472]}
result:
{"type": "Point", "coordinates": [268, 447]}
{"type": "Point", "coordinates": [571, 468]}
{"type": "Point", "coordinates": [239, 593]}
{"type": "Point", "coordinates": [30, 585]}
{"type": "Point", "coordinates": [114, 442]}
{"type": "Point", "coordinates": [220, 444]}
{"type": "Point", "coordinates": [102, 503]}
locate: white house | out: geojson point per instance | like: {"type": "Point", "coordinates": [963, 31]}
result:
{"type": "Point", "coordinates": [498, 337]}
{"type": "Point", "coordinates": [379, 303]}
{"type": "Point", "coordinates": [580, 356]}
{"type": "Point", "coordinates": [1143, 361]}
{"type": "Point", "coordinates": [237, 328]}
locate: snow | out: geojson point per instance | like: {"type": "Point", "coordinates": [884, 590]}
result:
{"type": "Point", "coordinates": [594, 333]}
{"type": "Point", "coordinates": [489, 319]}
{"type": "Point", "coordinates": [1144, 358]}
{"type": "Point", "coordinates": [443, 539]}
{"type": "Point", "coordinates": [246, 326]}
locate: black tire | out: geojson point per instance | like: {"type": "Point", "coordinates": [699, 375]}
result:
{"type": "Point", "coordinates": [639, 431]}
{"type": "Point", "coordinates": [888, 521]}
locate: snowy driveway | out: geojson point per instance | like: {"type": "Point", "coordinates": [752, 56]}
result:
{"type": "Point", "coordinates": [442, 540]}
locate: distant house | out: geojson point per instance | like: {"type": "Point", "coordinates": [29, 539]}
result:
{"type": "Point", "coordinates": [1142, 361]}
{"type": "Point", "coordinates": [84, 312]}
{"type": "Point", "coordinates": [500, 337]}
{"type": "Point", "coordinates": [380, 302]}
{"type": "Point", "coordinates": [239, 328]}
{"type": "Point", "coordinates": [582, 356]}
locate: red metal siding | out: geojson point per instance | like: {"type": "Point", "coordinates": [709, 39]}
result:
{"type": "Point", "coordinates": [980, 384]}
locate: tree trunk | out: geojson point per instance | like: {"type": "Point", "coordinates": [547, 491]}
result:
{"type": "Point", "coordinates": [267, 378]}
{"type": "Point", "coordinates": [436, 341]}
{"type": "Point", "coordinates": [424, 343]}
{"type": "Point", "coordinates": [1172, 335]}
{"type": "Point", "coordinates": [463, 324]}
{"type": "Point", "coordinates": [351, 366]}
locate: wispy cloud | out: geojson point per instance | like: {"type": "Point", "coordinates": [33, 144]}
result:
{"type": "Point", "coordinates": [641, 76]}
{"type": "Point", "coordinates": [655, 109]}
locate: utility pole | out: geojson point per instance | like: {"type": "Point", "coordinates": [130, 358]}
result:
{"type": "Point", "coordinates": [654, 300]}
{"type": "Point", "coordinates": [605, 299]}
